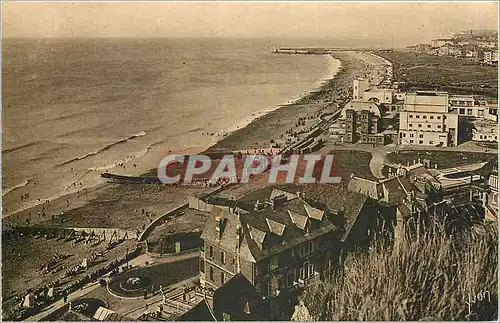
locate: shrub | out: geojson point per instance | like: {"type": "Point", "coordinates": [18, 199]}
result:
{"type": "Point", "coordinates": [434, 277]}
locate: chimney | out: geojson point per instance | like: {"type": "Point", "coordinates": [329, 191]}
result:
{"type": "Point", "coordinates": [239, 233]}
{"type": "Point", "coordinates": [256, 207]}
{"type": "Point", "coordinates": [221, 225]}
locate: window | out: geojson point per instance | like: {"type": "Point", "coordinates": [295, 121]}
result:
{"type": "Point", "coordinates": [404, 134]}
{"type": "Point", "coordinates": [265, 288]}
{"type": "Point", "coordinates": [441, 143]}
{"type": "Point", "coordinates": [431, 117]}
{"type": "Point", "coordinates": [420, 141]}
{"type": "Point", "coordinates": [410, 125]}
{"type": "Point", "coordinates": [439, 126]}
{"type": "Point", "coordinates": [411, 141]}
{"type": "Point", "coordinates": [461, 111]}
{"type": "Point", "coordinates": [431, 142]}
{"type": "Point", "coordinates": [222, 277]}
{"type": "Point", "coordinates": [410, 116]}
{"type": "Point", "coordinates": [211, 251]}
{"type": "Point", "coordinates": [309, 247]}
{"type": "Point", "coordinates": [202, 266]}
{"type": "Point", "coordinates": [469, 112]}
{"type": "Point", "coordinates": [421, 136]}
{"type": "Point", "coordinates": [222, 257]}
{"type": "Point", "coordinates": [211, 273]}
{"type": "Point", "coordinates": [429, 126]}
{"type": "Point", "coordinates": [273, 263]}
{"type": "Point", "coordinates": [420, 125]}
{"type": "Point", "coordinates": [438, 117]}
{"type": "Point", "coordinates": [417, 116]}
{"type": "Point", "coordinates": [400, 135]}
{"type": "Point", "coordinates": [289, 279]}
{"type": "Point", "coordinates": [411, 135]}
{"type": "Point", "coordinates": [425, 117]}
{"type": "Point", "coordinates": [307, 270]}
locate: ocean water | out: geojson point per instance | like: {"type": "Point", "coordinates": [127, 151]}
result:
{"type": "Point", "coordinates": [74, 108]}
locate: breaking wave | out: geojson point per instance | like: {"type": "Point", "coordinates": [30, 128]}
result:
{"type": "Point", "coordinates": [137, 135]}
{"type": "Point", "coordinates": [13, 188]}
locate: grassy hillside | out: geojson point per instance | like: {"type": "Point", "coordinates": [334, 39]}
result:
{"type": "Point", "coordinates": [431, 278]}
{"type": "Point", "coordinates": [422, 71]}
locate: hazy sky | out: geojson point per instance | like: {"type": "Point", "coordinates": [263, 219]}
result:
{"type": "Point", "coordinates": [406, 22]}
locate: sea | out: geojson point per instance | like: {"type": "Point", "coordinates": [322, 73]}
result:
{"type": "Point", "coordinates": [75, 108]}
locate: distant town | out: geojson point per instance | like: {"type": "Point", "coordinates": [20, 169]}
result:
{"type": "Point", "coordinates": [476, 45]}
{"type": "Point", "coordinates": [419, 170]}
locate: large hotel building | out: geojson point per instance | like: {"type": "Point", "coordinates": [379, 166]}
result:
{"type": "Point", "coordinates": [426, 120]}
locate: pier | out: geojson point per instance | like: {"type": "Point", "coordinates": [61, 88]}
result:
{"type": "Point", "coordinates": [317, 50]}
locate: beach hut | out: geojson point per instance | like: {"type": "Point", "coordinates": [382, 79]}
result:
{"type": "Point", "coordinates": [29, 300]}
{"type": "Point", "coordinates": [85, 263]}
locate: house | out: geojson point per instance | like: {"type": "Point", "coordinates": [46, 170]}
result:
{"type": "Point", "coordinates": [490, 57]}
{"type": "Point", "coordinates": [491, 199]}
{"type": "Point", "coordinates": [284, 240]}
{"type": "Point", "coordinates": [238, 300]}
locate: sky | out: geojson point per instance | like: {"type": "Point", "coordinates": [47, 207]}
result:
{"type": "Point", "coordinates": [409, 23]}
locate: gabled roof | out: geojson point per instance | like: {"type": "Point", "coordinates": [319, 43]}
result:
{"type": "Point", "coordinates": [256, 234]}
{"type": "Point", "coordinates": [366, 187]}
{"type": "Point", "coordinates": [275, 227]}
{"type": "Point", "coordinates": [277, 192]}
{"type": "Point", "coordinates": [313, 212]}
{"type": "Point", "coordinates": [297, 219]}
{"type": "Point", "coordinates": [239, 299]}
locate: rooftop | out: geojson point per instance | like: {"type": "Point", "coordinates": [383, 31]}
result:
{"type": "Point", "coordinates": [287, 219]}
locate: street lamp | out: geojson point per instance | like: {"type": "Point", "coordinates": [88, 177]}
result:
{"type": "Point", "coordinates": [126, 258]}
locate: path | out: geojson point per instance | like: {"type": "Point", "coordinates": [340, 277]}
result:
{"type": "Point", "coordinates": [379, 153]}
{"type": "Point", "coordinates": [138, 261]}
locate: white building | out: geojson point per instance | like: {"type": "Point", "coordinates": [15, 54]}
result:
{"type": "Point", "coordinates": [471, 106]}
{"type": "Point", "coordinates": [380, 96]}
{"type": "Point", "coordinates": [441, 42]}
{"type": "Point", "coordinates": [491, 56]}
{"type": "Point", "coordinates": [359, 87]}
{"type": "Point", "coordinates": [485, 131]}
{"type": "Point", "coordinates": [426, 121]}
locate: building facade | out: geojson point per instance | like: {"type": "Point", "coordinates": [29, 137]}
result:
{"type": "Point", "coordinates": [358, 122]}
{"type": "Point", "coordinates": [425, 120]}
{"type": "Point", "coordinates": [485, 131]}
{"type": "Point", "coordinates": [472, 106]}
{"type": "Point", "coordinates": [358, 88]}
{"type": "Point", "coordinates": [283, 242]}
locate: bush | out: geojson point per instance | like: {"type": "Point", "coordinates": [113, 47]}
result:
{"type": "Point", "coordinates": [434, 277]}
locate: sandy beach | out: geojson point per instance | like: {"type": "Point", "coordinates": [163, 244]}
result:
{"type": "Point", "coordinates": [134, 206]}
{"type": "Point", "coordinates": [107, 205]}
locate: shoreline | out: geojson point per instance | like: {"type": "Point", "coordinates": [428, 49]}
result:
{"type": "Point", "coordinates": [259, 130]}
{"type": "Point", "coordinates": [334, 67]}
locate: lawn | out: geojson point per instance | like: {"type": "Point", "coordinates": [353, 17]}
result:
{"type": "Point", "coordinates": [347, 162]}
{"type": "Point", "coordinates": [422, 71]}
{"type": "Point", "coordinates": [444, 159]}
